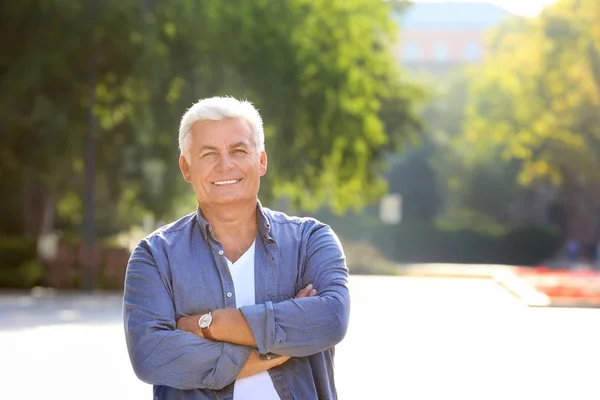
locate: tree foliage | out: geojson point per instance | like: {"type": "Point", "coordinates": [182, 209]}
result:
{"type": "Point", "coordinates": [321, 73]}
{"type": "Point", "coordinates": [536, 99]}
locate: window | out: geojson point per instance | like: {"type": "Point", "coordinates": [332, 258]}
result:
{"type": "Point", "coordinates": [410, 51]}
{"type": "Point", "coordinates": [473, 51]}
{"type": "Point", "coordinates": [440, 51]}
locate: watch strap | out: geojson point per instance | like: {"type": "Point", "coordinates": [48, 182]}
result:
{"type": "Point", "coordinates": [206, 333]}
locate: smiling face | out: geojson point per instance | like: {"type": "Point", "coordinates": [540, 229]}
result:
{"type": "Point", "coordinates": [222, 162]}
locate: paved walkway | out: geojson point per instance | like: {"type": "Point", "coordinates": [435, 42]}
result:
{"type": "Point", "coordinates": [409, 338]}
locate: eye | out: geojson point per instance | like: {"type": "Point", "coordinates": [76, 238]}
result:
{"type": "Point", "coordinates": [210, 153]}
{"type": "Point", "coordinates": [239, 151]}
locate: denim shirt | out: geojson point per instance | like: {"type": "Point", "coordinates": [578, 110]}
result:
{"type": "Point", "coordinates": [181, 270]}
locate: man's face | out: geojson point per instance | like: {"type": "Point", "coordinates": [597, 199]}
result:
{"type": "Point", "coordinates": [223, 164]}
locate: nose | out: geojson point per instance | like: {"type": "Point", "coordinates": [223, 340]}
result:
{"type": "Point", "coordinates": [226, 162]}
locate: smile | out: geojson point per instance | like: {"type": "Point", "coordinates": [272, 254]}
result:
{"type": "Point", "coordinates": [223, 183]}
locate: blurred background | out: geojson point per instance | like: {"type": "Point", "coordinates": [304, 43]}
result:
{"type": "Point", "coordinates": [442, 141]}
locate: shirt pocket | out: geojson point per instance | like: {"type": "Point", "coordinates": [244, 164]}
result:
{"type": "Point", "coordinates": [197, 288]}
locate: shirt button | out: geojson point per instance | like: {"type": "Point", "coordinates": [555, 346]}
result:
{"type": "Point", "coordinates": [220, 252]}
{"type": "Point", "coordinates": [229, 294]}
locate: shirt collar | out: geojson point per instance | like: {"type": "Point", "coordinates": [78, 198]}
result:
{"type": "Point", "coordinates": [204, 225]}
{"type": "Point", "coordinates": [264, 223]}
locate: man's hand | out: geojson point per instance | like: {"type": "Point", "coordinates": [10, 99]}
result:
{"type": "Point", "coordinates": [308, 291]}
{"type": "Point", "coordinates": [190, 323]}
{"type": "Point", "coordinates": [255, 365]}
{"type": "Point", "coordinates": [231, 320]}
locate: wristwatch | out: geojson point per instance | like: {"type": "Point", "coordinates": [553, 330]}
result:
{"type": "Point", "coordinates": [268, 356]}
{"type": "Point", "coordinates": [204, 324]}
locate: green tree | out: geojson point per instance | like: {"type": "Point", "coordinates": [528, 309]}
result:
{"type": "Point", "coordinates": [321, 73]}
{"type": "Point", "coordinates": [536, 100]}
{"type": "Point", "coordinates": [479, 189]}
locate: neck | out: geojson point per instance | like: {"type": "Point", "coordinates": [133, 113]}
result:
{"type": "Point", "coordinates": [229, 221]}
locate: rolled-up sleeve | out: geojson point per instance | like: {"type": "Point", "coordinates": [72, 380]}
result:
{"type": "Point", "coordinates": [160, 353]}
{"type": "Point", "coordinates": [306, 326]}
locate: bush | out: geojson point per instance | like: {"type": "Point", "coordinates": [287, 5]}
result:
{"type": "Point", "coordinates": [20, 269]}
{"type": "Point", "coordinates": [16, 250]}
{"type": "Point", "coordinates": [530, 245]}
{"type": "Point", "coordinates": [365, 259]}
{"type": "Point", "coordinates": [423, 242]}
{"type": "Point", "coordinates": [18, 264]}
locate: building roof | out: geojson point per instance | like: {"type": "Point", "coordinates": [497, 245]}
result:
{"type": "Point", "coordinates": [451, 15]}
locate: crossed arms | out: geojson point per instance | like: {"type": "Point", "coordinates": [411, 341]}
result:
{"type": "Point", "coordinates": [163, 353]}
{"type": "Point", "coordinates": [229, 325]}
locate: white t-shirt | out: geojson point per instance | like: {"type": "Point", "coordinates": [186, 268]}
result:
{"type": "Point", "coordinates": [259, 386]}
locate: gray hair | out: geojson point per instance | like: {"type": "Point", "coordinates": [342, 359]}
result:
{"type": "Point", "coordinates": [217, 109]}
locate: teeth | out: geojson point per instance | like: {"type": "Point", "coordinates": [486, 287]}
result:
{"type": "Point", "coordinates": [226, 182]}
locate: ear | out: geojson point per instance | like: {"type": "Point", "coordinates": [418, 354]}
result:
{"type": "Point", "coordinates": [184, 166]}
{"type": "Point", "coordinates": [263, 163]}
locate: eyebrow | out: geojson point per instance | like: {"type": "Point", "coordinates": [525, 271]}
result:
{"type": "Point", "coordinates": [239, 144]}
{"type": "Point", "coordinates": [206, 147]}
{"type": "Point", "coordinates": [233, 146]}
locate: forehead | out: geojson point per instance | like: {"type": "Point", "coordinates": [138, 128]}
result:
{"type": "Point", "coordinates": [226, 131]}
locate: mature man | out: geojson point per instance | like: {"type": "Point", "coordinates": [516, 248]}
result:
{"type": "Point", "coordinates": [234, 300]}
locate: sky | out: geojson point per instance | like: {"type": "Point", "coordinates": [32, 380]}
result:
{"type": "Point", "coordinates": [526, 8]}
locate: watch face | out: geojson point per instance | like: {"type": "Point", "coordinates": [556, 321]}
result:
{"type": "Point", "coordinates": [204, 321]}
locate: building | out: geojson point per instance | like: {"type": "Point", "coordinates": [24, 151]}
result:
{"type": "Point", "coordinates": [443, 34]}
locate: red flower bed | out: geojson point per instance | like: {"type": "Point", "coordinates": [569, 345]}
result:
{"type": "Point", "coordinates": [581, 285]}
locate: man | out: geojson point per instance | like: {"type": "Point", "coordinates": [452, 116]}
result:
{"type": "Point", "coordinates": [234, 300]}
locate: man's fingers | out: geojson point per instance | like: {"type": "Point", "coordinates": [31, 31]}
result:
{"type": "Point", "coordinates": [308, 291]}
{"type": "Point", "coordinates": [305, 292]}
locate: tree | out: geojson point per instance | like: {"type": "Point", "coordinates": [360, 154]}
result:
{"type": "Point", "coordinates": [329, 86]}
{"type": "Point", "coordinates": [536, 99]}
{"type": "Point", "coordinates": [320, 71]}
{"type": "Point", "coordinates": [479, 187]}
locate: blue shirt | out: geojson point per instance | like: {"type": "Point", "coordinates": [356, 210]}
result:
{"type": "Point", "coordinates": [181, 270]}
